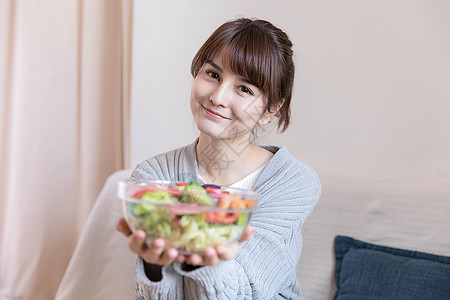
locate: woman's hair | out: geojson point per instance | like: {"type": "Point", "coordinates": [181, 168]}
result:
{"type": "Point", "coordinates": [258, 51]}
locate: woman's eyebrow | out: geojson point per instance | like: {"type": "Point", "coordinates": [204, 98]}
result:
{"type": "Point", "coordinates": [214, 65]}
{"type": "Point", "coordinates": [243, 79]}
{"type": "Point", "coordinates": [248, 81]}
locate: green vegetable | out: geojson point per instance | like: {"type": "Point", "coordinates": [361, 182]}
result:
{"type": "Point", "coordinates": [195, 193]}
{"type": "Point", "coordinates": [197, 233]}
{"type": "Point", "coordinates": [242, 219]}
{"type": "Point", "coordinates": [156, 223]}
{"type": "Point", "coordinates": [155, 197]}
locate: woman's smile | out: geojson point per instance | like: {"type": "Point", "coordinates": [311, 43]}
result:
{"type": "Point", "coordinates": [214, 114]}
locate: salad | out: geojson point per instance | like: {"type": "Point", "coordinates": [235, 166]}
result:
{"type": "Point", "coordinates": [188, 216]}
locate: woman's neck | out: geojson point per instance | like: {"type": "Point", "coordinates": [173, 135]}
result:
{"type": "Point", "coordinates": [224, 162]}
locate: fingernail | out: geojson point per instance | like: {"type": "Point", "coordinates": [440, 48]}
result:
{"type": "Point", "coordinates": [158, 243]}
{"type": "Point", "coordinates": [209, 252]}
{"type": "Point", "coordinates": [220, 250]}
{"type": "Point", "coordinates": [140, 235]}
{"type": "Point", "coordinates": [172, 253]}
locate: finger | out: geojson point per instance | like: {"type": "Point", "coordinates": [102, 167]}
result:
{"type": "Point", "coordinates": [122, 227]}
{"type": "Point", "coordinates": [153, 253]}
{"type": "Point", "coordinates": [210, 257]}
{"type": "Point", "coordinates": [227, 252]}
{"type": "Point", "coordinates": [181, 258]}
{"type": "Point", "coordinates": [248, 233]}
{"type": "Point", "coordinates": [168, 257]}
{"type": "Point", "coordinates": [194, 259]}
{"type": "Point", "coordinates": [136, 242]}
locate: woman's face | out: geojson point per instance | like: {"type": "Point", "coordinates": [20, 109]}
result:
{"type": "Point", "coordinates": [224, 104]}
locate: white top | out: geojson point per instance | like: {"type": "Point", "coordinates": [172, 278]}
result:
{"type": "Point", "coordinates": [248, 182]}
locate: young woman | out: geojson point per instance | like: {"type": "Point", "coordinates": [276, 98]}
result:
{"type": "Point", "coordinates": [243, 79]}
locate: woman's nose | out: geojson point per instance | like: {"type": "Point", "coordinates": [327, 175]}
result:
{"type": "Point", "coordinates": [221, 95]}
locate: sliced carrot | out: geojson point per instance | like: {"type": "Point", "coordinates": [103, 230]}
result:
{"type": "Point", "coordinates": [249, 202]}
{"type": "Point", "coordinates": [224, 202]}
{"type": "Point", "coordinates": [237, 204]}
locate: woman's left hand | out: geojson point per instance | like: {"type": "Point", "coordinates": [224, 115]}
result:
{"type": "Point", "coordinates": [212, 256]}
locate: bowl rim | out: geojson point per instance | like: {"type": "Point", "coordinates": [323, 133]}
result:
{"type": "Point", "coordinates": [188, 206]}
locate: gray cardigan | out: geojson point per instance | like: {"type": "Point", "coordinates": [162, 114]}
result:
{"type": "Point", "coordinates": [265, 266]}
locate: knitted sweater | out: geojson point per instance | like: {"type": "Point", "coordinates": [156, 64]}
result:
{"type": "Point", "coordinates": [265, 266]}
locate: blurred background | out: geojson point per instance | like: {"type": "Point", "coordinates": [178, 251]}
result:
{"type": "Point", "coordinates": [91, 87]}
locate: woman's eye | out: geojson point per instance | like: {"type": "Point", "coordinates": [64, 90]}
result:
{"type": "Point", "coordinates": [245, 89]}
{"type": "Point", "coordinates": [213, 75]}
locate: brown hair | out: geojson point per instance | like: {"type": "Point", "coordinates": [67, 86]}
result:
{"type": "Point", "coordinates": [260, 52]}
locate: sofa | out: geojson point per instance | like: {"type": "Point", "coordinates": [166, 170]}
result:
{"type": "Point", "coordinates": [388, 221]}
{"type": "Point", "coordinates": [404, 214]}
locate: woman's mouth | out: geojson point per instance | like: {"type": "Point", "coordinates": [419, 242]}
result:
{"type": "Point", "coordinates": [214, 114]}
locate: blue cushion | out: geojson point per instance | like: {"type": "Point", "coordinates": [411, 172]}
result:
{"type": "Point", "coordinates": [366, 271]}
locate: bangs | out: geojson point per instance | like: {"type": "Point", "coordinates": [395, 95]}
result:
{"type": "Point", "coordinates": [245, 51]}
{"type": "Point", "coordinates": [246, 55]}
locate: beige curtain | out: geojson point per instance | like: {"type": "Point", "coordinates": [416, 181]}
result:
{"type": "Point", "coordinates": [64, 107]}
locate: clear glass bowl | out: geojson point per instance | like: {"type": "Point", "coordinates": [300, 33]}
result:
{"type": "Point", "coordinates": [189, 217]}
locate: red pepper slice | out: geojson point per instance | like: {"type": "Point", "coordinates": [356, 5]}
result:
{"type": "Point", "coordinates": [226, 219]}
{"type": "Point", "coordinates": [216, 191]}
{"type": "Point", "coordinates": [139, 194]}
{"type": "Point", "coordinates": [174, 191]}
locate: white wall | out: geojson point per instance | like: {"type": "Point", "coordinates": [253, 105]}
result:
{"type": "Point", "coordinates": [372, 94]}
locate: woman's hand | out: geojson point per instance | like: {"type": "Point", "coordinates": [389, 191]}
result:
{"type": "Point", "coordinates": [155, 254]}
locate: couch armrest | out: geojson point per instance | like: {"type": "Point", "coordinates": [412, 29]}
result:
{"type": "Point", "coordinates": [102, 266]}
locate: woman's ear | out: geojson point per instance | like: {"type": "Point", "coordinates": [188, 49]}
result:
{"type": "Point", "coordinates": [269, 114]}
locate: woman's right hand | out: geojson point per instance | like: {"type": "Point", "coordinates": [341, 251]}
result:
{"type": "Point", "coordinates": [153, 254]}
